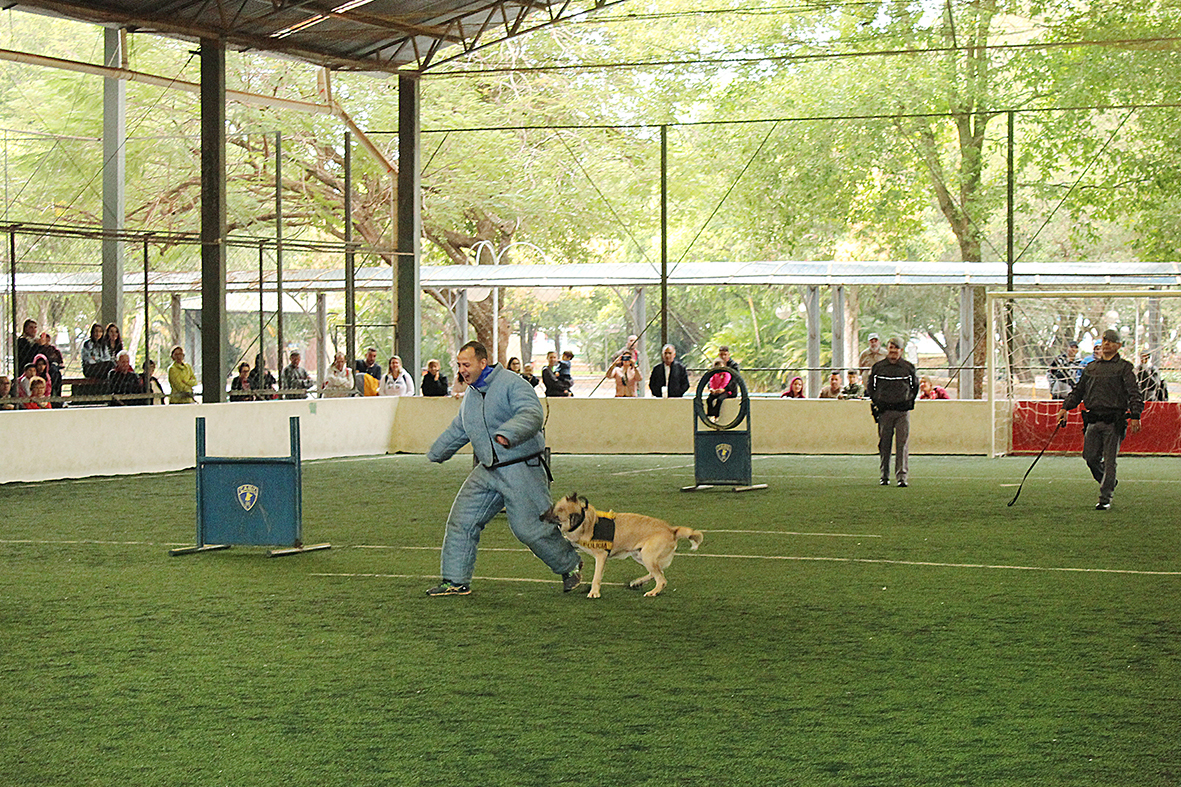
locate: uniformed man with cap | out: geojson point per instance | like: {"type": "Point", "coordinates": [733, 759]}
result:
{"type": "Point", "coordinates": [1113, 402]}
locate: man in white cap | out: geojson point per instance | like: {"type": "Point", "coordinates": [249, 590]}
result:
{"type": "Point", "coordinates": [869, 357]}
{"type": "Point", "coordinates": [1109, 390]}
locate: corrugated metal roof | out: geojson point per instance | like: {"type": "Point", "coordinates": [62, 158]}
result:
{"type": "Point", "coordinates": [348, 35]}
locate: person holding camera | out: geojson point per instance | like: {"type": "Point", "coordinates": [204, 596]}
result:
{"type": "Point", "coordinates": [626, 376]}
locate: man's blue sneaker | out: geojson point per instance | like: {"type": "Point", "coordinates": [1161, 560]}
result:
{"type": "Point", "coordinates": [572, 579]}
{"type": "Point", "coordinates": [449, 588]}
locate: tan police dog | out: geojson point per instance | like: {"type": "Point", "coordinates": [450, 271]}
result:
{"type": "Point", "coordinates": [649, 541]}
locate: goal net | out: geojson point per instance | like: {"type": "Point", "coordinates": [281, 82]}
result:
{"type": "Point", "coordinates": [1033, 363]}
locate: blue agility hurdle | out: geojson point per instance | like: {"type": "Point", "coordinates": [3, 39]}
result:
{"type": "Point", "coordinates": [249, 501]}
{"type": "Point", "coordinates": [722, 451]}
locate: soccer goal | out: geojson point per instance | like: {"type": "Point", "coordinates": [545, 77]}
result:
{"type": "Point", "coordinates": [1031, 363]}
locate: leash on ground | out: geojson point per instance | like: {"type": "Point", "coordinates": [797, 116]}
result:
{"type": "Point", "coordinates": [1057, 426]}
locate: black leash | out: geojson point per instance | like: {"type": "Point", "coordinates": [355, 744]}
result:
{"type": "Point", "coordinates": [1057, 426]}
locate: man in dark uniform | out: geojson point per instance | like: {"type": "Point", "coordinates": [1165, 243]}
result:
{"type": "Point", "coordinates": [892, 387]}
{"type": "Point", "coordinates": [1111, 395]}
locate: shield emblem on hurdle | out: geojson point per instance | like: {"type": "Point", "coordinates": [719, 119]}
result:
{"type": "Point", "coordinates": [247, 496]}
{"type": "Point", "coordinates": [723, 451]}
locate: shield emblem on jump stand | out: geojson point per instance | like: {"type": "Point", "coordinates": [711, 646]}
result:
{"type": "Point", "coordinates": [723, 451]}
{"type": "Point", "coordinates": [247, 496]}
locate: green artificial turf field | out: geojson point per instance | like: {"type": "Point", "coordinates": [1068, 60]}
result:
{"type": "Point", "coordinates": [829, 632]}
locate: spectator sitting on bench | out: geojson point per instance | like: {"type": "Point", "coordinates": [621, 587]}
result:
{"type": "Point", "coordinates": [5, 392]}
{"type": "Point", "coordinates": [26, 344]}
{"type": "Point", "coordinates": [181, 378]}
{"type": "Point", "coordinates": [114, 340]}
{"type": "Point", "coordinates": [338, 380]}
{"type": "Point", "coordinates": [42, 369]}
{"type": "Point", "coordinates": [28, 372]}
{"type": "Point", "coordinates": [369, 366]}
{"type": "Point", "coordinates": [241, 383]}
{"type": "Point", "coordinates": [261, 379]}
{"type": "Point", "coordinates": [295, 378]}
{"type": "Point", "coordinates": [97, 361]}
{"type": "Point", "coordinates": [151, 384]}
{"type": "Point", "coordinates": [39, 400]}
{"type": "Point", "coordinates": [123, 383]}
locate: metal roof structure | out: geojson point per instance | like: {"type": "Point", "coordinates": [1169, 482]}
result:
{"type": "Point", "coordinates": [390, 36]}
{"type": "Point", "coordinates": [372, 278]}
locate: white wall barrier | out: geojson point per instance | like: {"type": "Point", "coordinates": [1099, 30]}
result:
{"type": "Point", "coordinates": [97, 441]}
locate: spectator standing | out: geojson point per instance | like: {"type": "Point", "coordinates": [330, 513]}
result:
{"type": "Point", "coordinates": [626, 376]}
{"type": "Point", "coordinates": [833, 389]}
{"type": "Point", "coordinates": [554, 385]}
{"type": "Point", "coordinates": [929, 390]}
{"type": "Point", "coordinates": [854, 390]}
{"type": "Point", "coordinates": [503, 424]}
{"type": "Point", "coordinates": [338, 380]}
{"type": "Point", "coordinates": [727, 361]}
{"type": "Point", "coordinates": [124, 383]}
{"type": "Point", "coordinates": [1064, 371]}
{"type": "Point", "coordinates": [795, 389]}
{"type": "Point", "coordinates": [871, 355]}
{"type": "Point", "coordinates": [514, 365]}
{"type": "Point", "coordinates": [6, 393]}
{"type": "Point", "coordinates": [294, 377]}
{"type": "Point", "coordinates": [369, 365]}
{"type": "Point", "coordinates": [97, 360]}
{"type": "Point", "coordinates": [396, 381]}
{"type": "Point", "coordinates": [181, 378]}
{"type": "Point", "coordinates": [669, 379]}
{"type": "Point", "coordinates": [434, 382]}
{"type": "Point", "coordinates": [1152, 386]}
{"type": "Point", "coordinates": [241, 384]}
{"type": "Point", "coordinates": [1109, 391]}
{"type": "Point", "coordinates": [527, 373]}
{"type": "Point", "coordinates": [892, 387]}
{"type": "Point", "coordinates": [26, 344]}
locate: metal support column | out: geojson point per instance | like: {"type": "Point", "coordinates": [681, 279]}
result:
{"type": "Point", "coordinates": [322, 361]}
{"type": "Point", "coordinates": [214, 353]}
{"type": "Point", "coordinates": [838, 329]}
{"type": "Point", "coordinates": [409, 320]}
{"type": "Point", "coordinates": [812, 302]}
{"type": "Point", "coordinates": [281, 351]}
{"type": "Point", "coordinates": [967, 377]}
{"type": "Point", "coordinates": [663, 237]}
{"type": "Point", "coordinates": [640, 316]}
{"type": "Point", "coordinates": [350, 257]}
{"type": "Point", "coordinates": [114, 167]}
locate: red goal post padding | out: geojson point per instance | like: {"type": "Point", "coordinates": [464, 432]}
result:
{"type": "Point", "coordinates": [1033, 423]}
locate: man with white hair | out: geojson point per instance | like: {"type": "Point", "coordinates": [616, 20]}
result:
{"type": "Point", "coordinates": [123, 382]}
{"type": "Point", "coordinates": [669, 379]}
{"type": "Point", "coordinates": [871, 355]}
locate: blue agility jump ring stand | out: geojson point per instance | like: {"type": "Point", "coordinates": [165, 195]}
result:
{"type": "Point", "coordinates": [721, 451]}
{"type": "Point", "coordinates": [249, 501]}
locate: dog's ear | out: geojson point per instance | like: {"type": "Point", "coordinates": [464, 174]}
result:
{"type": "Point", "coordinates": [572, 496]}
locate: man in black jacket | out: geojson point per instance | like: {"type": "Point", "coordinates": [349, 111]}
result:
{"type": "Point", "coordinates": [1111, 394]}
{"type": "Point", "coordinates": [892, 387]}
{"type": "Point", "coordinates": [670, 373]}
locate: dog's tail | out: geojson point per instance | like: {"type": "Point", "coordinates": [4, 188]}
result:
{"type": "Point", "coordinates": [694, 536]}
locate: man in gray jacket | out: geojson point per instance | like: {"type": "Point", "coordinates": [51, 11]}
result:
{"type": "Point", "coordinates": [1109, 390]}
{"type": "Point", "coordinates": [501, 417]}
{"type": "Point", "coordinates": [892, 386]}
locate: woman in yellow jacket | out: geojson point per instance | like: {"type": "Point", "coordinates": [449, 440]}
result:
{"type": "Point", "coordinates": [181, 378]}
